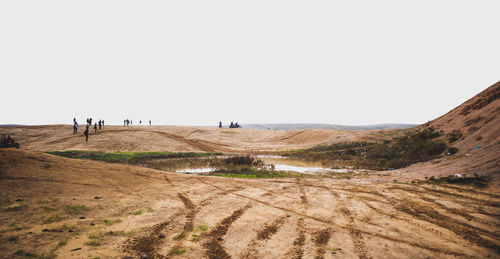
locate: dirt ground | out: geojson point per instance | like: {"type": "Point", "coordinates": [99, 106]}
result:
{"type": "Point", "coordinates": [86, 209]}
{"type": "Point", "coordinates": [177, 138]}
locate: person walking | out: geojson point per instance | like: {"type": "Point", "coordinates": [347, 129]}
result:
{"type": "Point", "coordinates": [100, 124]}
{"type": "Point", "coordinates": [220, 124]}
{"type": "Point", "coordinates": [95, 127]}
{"type": "Point", "coordinates": [75, 128]}
{"type": "Point", "coordinates": [86, 133]}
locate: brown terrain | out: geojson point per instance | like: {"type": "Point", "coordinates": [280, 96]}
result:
{"type": "Point", "coordinates": [68, 208]}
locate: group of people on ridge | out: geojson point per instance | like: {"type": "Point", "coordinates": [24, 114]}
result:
{"type": "Point", "coordinates": [99, 124]}
{"type": "Point", "coordinates": [128, 122]}
{"type": "Point", "coordinates": [231, 126]}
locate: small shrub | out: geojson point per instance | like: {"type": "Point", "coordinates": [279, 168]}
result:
{"type": "Point", "coordinates": [451, 151]}
{"type": "Point", "coordinates": [454, 136]}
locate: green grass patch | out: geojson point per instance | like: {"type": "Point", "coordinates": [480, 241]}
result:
{"type": "Point", "coordinates": [127, 157]}
{"type": "Point", "coordinates": [43, 255]}
{"type": "Point", "coordinates": [177, 252]}
{"type": "Point", "coordinates": [195, 238]}
{"type": "Point", "coordinates": [48, 208]}
{"type": "Point", "coordinates": [179, 237]}
{"type": "Point", "coordinates": [476, 181]}
{"type": "Point", "coordinates": [76, 209]}
{"type": "Point", "coordinates": [202, 228]}
{"type": "Point", "coordinates": [96, 236]}
{"type": "Point", "coordinates": [53, 218]}
{"type": "Point", "coordinates": [255, 173]}
{"type": "Point", "coordinates": [111, 221]}
{"type": "Point", "coordinates": [93, 242]}
{"type": "Point", "coordinates": [16, 207]}
{"type": "Point", "coordinates": [137, 212]}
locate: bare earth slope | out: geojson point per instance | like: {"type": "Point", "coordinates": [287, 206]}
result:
{"type": "Point", "coordinates": [133, 211]}
{"type": "Point", "coordinates": [478, 120]}
{"type": "Point", "coordinates": [175, 138]}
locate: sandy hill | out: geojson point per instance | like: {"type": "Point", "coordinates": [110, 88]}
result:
{"type": "Point", "coordinates": [477, 122]}
{"type": "Point", "coordinates": [175, 138]}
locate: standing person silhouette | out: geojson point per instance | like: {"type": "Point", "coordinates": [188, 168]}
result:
{"type": "Point", "coordinates": [95, 127]}
{"type": "Point", "coordinates": [86, 133]}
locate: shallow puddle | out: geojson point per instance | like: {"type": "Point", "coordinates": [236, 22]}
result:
{"type": "Point", "coordinates": [280, 164]}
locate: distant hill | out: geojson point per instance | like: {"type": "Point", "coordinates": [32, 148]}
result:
{"type": "Point", "coordinates": [9, 125]}
{"type": "Point", "coordinates": [301, 126]}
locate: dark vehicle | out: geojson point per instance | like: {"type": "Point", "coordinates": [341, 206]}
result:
{"type": "Point", "coordinates": [8, 141]}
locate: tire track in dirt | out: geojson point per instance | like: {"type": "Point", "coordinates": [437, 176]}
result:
{"type": "Point", "coordinates": [213, 248]}
{"type": "Point", "coordinates": [461, 229]}
{"type": "Point", "coordinates": [303, 197]}
{"type": "Point", "coordinates": [148, 245]}
{"type": "Point", "coordinates": [356, 237]}
{"type": "Point", "coordinates": [430, 215]}
{"type": "Point", "coordinates": [289, 136]}
{"type": "Point", "coordinates": [264, 234]}
{"type": "Point", "coordinates": [188, 226]}
{"type": "Point", "coordinates": [411, 243]}
{"type": "Point", "coordinates": [202, 145]}
{"type": "Point", "coordinates": [321, 239]}
{"type": "Point", "coordinates": [297, 250]}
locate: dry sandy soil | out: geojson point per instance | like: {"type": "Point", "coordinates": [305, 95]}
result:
{"type": "Point", "coordinates": [53, 206]}
{"type": "Point", "coordinates": [213, 217]}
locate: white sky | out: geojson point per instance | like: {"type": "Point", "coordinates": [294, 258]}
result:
{"type": "Point", "coordinates": [197, 62]}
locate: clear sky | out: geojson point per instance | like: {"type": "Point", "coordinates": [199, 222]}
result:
{"type": "Point", "coordinates": [197, 62]}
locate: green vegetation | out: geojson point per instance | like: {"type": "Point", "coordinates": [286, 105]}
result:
{"type": "Point", "coordinates": [255, 174]}
{"type": "Point", "coordinates": [4, 201]}
{"type": "Point", "coordinates": [179, 237]}
{"type": "Point", "coordinates": [247, 167]}
{"type": "Point", "coordinates": [35, 255]}
{"type": "Point", "coordinates": [195, 238]}
{"type": "Point", "coordinates": [93, 242]}
{"type": "Point", "coordinates": [454, 136]}
{"type": "Point", "coordinates": [476, 181]}
{"type": "Point", "coordinates": [412, 147]}
{"type": "Point", "coordinates": [48, 208]}
{"type": "Point", "coordinates": [202, 228]}
{"type": "Point", "coordinates": [137, 212]}
{"type": "Point", "coordinates": [75, 209]}
{"type": "Point", "coordinates": [451, 151]}
{"type": "Point", "coordinates": [111, 221]}
{"type": "Point", "coordinates": [53, 218]}
{"type": "Point", "coordinates": [16, 207]}
{"type": "Point", "coordinates": [177, 252]}
{"type": "Point", "coordinates": [127, 157]}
